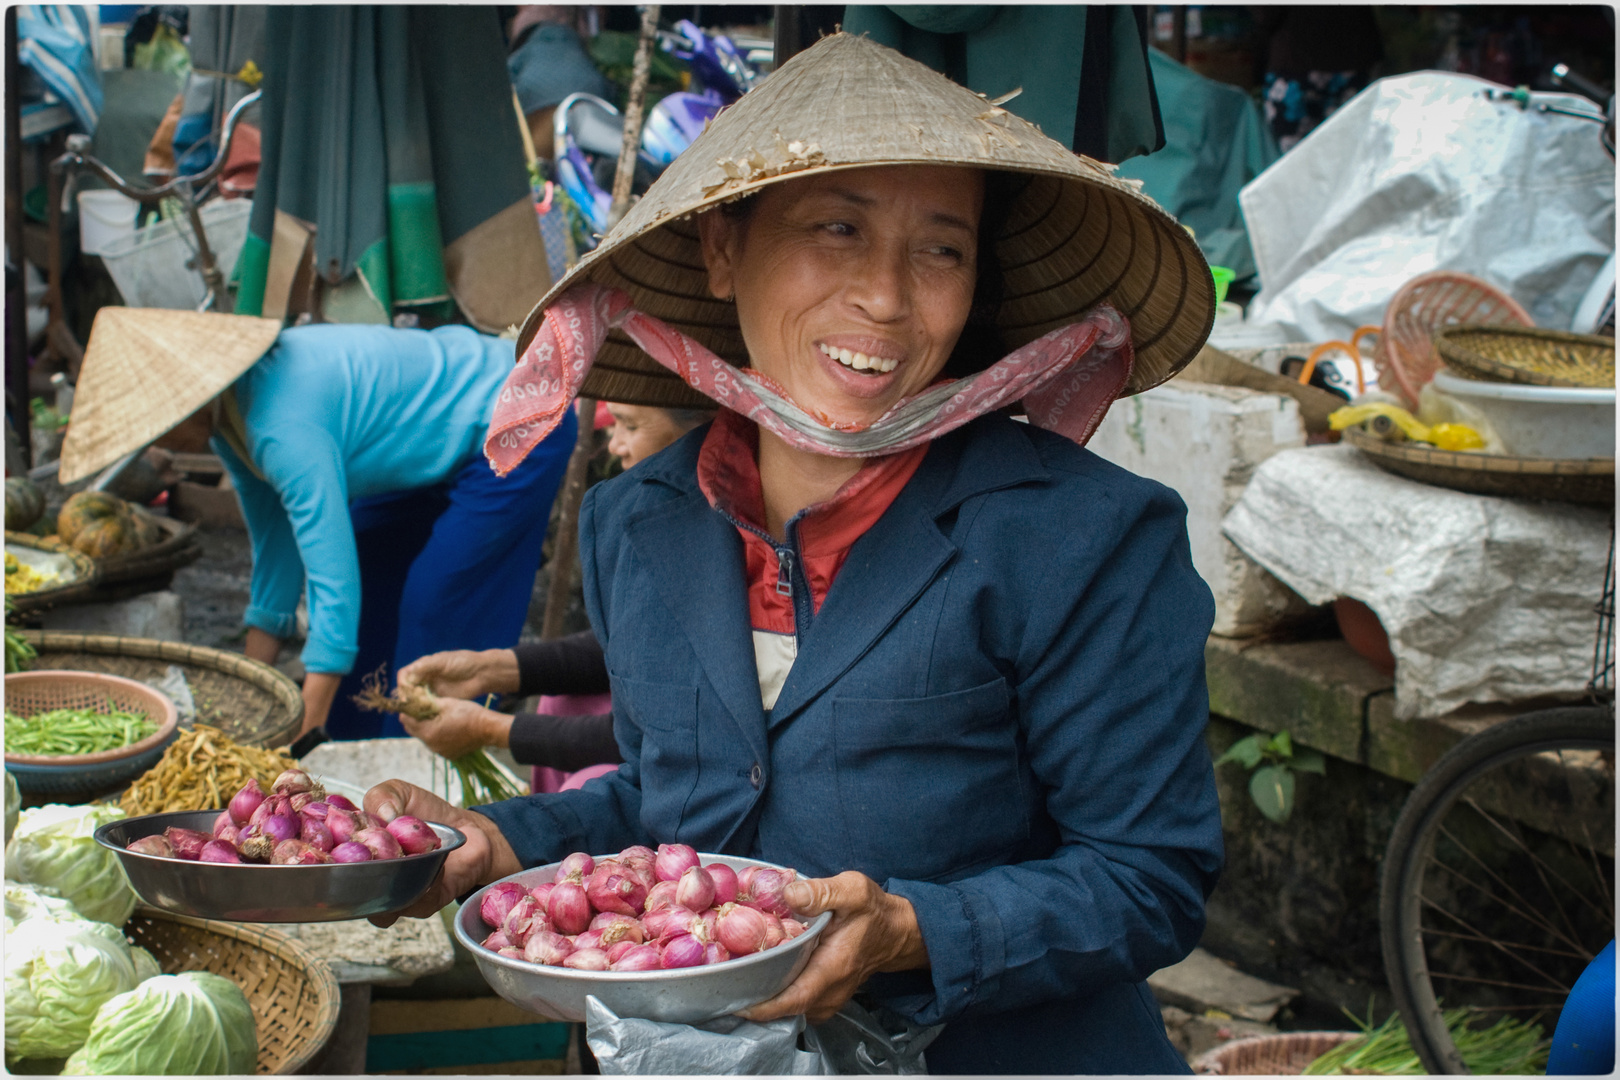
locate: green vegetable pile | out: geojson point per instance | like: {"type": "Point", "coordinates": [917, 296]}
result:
{"type": "Point", "coordinates": [76, 988]}
{"type": "Point", "coordinates": [75, 731]}
{"type": "Point", "coordinates": [55, 846]}
{"type": "Point", "coordinates": [18, 651]}
{"type": "Point", "coordinates": [1509, 1047]}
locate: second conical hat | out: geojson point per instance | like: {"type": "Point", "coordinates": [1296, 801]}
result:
{"type": "Point", "coordinates": [147, 369]}
{"type": "Point", "coordinates": [1074, 235]}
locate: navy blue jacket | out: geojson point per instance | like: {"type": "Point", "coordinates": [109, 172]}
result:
{"type": "Point", "coordinates": [998, 713]}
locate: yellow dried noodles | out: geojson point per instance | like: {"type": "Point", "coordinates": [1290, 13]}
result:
{"type": "Point", "coordinates": [201, 770]}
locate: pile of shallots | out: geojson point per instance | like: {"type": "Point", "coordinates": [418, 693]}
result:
{"type": "Point", "coordinates": [640, 911]}
{"type": "Point", "coordinates": [296, 824]}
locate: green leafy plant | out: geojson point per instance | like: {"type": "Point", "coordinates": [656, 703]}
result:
{"type": "Point", "coordinates": [1273, 761]}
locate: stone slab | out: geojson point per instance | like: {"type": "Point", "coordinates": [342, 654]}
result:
{"type": "Point", "coordinates": [1205, 441]}
{"type": "Point", "coordinates": [160, 615]}
{"type": "Point", "coordinates": [362, 953]}
{"type": "Point", "coordinates": [364, 763]}
{"type": "Point", "coordinates": [1203, 982]}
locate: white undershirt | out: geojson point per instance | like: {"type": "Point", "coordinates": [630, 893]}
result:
{"type": "Point", "coordinates": [773, 657]}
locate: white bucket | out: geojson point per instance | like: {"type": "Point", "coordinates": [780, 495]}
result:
{"type": "Point", "coordinates": [1540, 421]}
{"type": "Point", "coordinates": [104, 217]}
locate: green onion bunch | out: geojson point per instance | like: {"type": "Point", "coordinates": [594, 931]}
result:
{"type": "Point", "coordinates": [1510, 1047]}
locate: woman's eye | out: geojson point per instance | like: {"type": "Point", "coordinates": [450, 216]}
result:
{"type": "Point", "coordinates": [839, 228]}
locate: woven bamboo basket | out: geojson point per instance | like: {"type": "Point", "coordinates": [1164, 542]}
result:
{"type": "Point", "coordinates": [292, 992]}
{"type": "Point", "coordinates": [178, 548]}
{"type": "Point", "coordinates": [1270, 1055]}
{"type": "Point", "coordinates": [1533, 357]}
{"type": "Point", "coordinates": [79, 586]}
{"type": "Point", "coordinates": [253, 703]}
{"type": "Point", "coordinates": [1587, 481]}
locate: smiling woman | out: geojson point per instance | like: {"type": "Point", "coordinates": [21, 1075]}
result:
{"type": "Point", "coordinates": [948, 666]}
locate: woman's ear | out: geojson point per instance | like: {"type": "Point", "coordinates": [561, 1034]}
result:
{"type": "Point", "coordinates": [719, 236]}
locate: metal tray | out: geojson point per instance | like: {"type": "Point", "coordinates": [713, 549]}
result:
{"type": "Point", "coordinates": [258, 892]}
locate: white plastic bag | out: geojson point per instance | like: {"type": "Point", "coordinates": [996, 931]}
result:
{"type": "Point", "coordinates": [1422, 172]}
{"type": "Point", "coordinates": [855, 1042]}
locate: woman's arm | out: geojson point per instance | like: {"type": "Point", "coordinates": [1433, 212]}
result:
{"type": "Point", "coordinates": [568, 743]}
{"type": "Point", "coordinates": [1111, 696]}
{"type": "Point", "coordinates": [566, 665]}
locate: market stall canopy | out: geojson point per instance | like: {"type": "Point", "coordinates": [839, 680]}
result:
{"type": "Point", "coordinates": [147, 369]}
{"type": "Point", "coordinates": [390, 146]}
{"type": "Point", "coordinates": [1083, 68]}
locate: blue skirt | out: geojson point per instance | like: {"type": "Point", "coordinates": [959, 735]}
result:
{"type": "Point", "coordinates": [447, 567]}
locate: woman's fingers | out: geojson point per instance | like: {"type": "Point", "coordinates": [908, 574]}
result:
{"type": "Point", "coordinates": [861, 933]}
{"type": "Point", "coordinates": [484, 857]}
{"type": "Point", "coordinates": [458, 730]}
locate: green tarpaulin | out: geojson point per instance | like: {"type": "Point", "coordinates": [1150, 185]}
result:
{"type": "Point", "coordinates": [1083, 69]}
{"type": "Point", "coordinates": [390, 134]}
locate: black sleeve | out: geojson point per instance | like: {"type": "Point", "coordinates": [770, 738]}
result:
{"type": "Point", "coordinates": [568, 743]}
{"type": "Point", "coordinates": [569, 665]}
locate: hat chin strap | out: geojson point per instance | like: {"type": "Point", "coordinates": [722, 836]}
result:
{"type": "Point", "coordinates": [1066, 380]}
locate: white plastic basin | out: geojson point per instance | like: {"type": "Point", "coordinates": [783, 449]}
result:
{"type": "Point", "coordinates": [1540, 421]}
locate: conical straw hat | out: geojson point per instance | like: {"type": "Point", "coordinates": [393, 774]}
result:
{"type": "Point", "coordinates": [1074, 235]}
{"type": "Point", "coordinates": [147, 369]}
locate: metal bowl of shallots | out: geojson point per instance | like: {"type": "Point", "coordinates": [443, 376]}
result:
{"type": "Point", "coordinates": [672, 935]}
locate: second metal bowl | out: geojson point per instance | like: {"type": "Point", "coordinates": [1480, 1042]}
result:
{"type": "Point", "coordinates": [258, 892]}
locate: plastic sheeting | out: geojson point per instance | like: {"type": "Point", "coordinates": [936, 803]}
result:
{"type": "Point", "coordinates": [1420, 172]}
{"type": "Point", "coordinates": [1484, 599]}
{"type": "Point", "coordinates": [855, 1042]}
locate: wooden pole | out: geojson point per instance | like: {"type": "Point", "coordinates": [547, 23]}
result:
{"type": "Point", "coordinates": [626, 174]}
{"type": "Point", "coordinates": [565, 548]}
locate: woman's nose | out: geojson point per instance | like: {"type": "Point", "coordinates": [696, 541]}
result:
{"type": "Point", "coordinates": [879, 284]}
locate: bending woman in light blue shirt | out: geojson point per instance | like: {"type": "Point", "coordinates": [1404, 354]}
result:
{"type": "Point", "coordinates": [356, 454]}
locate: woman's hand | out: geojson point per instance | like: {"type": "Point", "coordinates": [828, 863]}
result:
{"type": "Point", "coordinates": [484, 857]}
{"type": "Point", "coordinates": [460, 728]}
{"type": "Point", "coordinates": [870, 931]}
{"type": "Point", "coordinates": [464, 673]}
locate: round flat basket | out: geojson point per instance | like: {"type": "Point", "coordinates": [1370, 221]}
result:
{"type": "Point", "coordinates": [1588, 481]}
{"type": "Point", "coordinates": [32, 692]}
{"type": "Point", "coordinates": [1530, 356]}
{"type": "Point", "coordinates": [253, 703]}
{"type": "Point", "coordinates": [292, 993]}
{"type": "Point", "coordinates": [77, 573]}
{"type": "Point", "coordinates": [1270, 1055]}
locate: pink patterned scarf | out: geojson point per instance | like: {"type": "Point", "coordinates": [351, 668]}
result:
{"type": "Point", "coordinates": [1066, 380]}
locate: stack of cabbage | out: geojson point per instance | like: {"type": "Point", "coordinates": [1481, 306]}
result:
{"type": "Point", "coordinates": [76, 989]}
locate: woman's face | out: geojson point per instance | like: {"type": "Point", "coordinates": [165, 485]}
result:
{"type": "Point", "coordinates": [640, 431]}
{"type": "Point", "coordinates": [851, 287]}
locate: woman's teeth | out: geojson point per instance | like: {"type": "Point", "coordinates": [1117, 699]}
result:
{"type": "Point", "coordinates": [859, 360]}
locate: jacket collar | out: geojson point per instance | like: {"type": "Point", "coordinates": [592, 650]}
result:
{"type": "Point", "coordinates": [887, 569]}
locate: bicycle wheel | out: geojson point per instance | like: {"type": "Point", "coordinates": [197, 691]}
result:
{"type": "Point", "coordinates": [1498, 883]}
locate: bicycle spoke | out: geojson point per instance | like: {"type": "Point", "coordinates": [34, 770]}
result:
{"type": "Point", "coordinates": [1524, 910]}
{"type": "Point", "coordinates": [1559, 989]}
{"type": "Point", "coordinates": [1519, 843]}
{"type": "Point", "coordinates": [1450, 934]}
{"type": "Point", "coordinates": [1495, 944]}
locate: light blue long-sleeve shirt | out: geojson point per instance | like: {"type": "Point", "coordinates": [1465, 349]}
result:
{"type": "Point", "coordinates": [335, 413]}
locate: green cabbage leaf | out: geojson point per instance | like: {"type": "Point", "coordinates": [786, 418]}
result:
{"type": "Point", "coordinates": [58, 973]}
{"type": "Point", "coordinates": [195, 1024]}
{"type": "Point", "coordinates": [55, 846]}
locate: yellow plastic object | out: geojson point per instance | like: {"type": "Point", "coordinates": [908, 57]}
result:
{"type": "Point", "coordinates": [1441, 436]}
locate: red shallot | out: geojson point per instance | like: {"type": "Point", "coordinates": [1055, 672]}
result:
{"type": "Point", "coordinates": [415, 836]}
{"type": "Point", "coordinates": [350, 851]}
